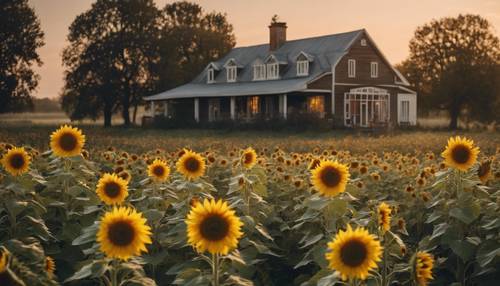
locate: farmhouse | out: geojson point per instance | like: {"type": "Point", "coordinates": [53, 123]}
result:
{"type": "Point", "coordinates": [342, 77]}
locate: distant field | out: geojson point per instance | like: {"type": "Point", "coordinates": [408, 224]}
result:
{"type": "Point", "coordinates": [142, 140]}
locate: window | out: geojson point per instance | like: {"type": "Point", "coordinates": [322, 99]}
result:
{"type": "Point", "coordinates": [259, 72]}
{"type": "Point", "coordinates": [351, 68]}
{"type": "Point", "coordinates": [272, 71]}
{"type": "Point", "coordinates": [316, 104]}
{"type": "Point", "coordinates": [302, 67]}
{"type": "Point", "coordinates": [405, 111]}
{"type": "Point", "coordinates": [363, 42]}
{"type": "Point", "coordinates": [374, 69]}
{"type": "Point", "coordinates": [231, 73]}
{"type": "Point", "coordinates": [253, 105]}
{"type": "Point", "coordinates": [210, 75]}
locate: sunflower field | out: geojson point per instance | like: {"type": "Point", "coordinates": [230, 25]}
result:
{"type": "Point", "coordinates": [247, 216]}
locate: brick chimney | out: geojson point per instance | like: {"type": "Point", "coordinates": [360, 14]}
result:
{"type": "Point", "coordinates": [277, 35]}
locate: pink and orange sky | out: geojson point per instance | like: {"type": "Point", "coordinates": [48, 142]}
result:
{"type": "Point", "coordinates": [391, 23]}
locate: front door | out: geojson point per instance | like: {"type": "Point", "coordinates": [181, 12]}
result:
{"type": "Point", "coordinates": [213, 109]}
{"type": "Point", "coordinates": [364, 115]}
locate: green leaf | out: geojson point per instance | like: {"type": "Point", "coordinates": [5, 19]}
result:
{"type": "Point", "coordinates": [465, 214]}
{"type": "Point", "coordinates": [463, 249]}
{"type": "Point", "coordinates": [439, 230]}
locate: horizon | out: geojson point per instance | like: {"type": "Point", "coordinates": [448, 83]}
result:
{"type": "Point", "coordinates": [251, 18]}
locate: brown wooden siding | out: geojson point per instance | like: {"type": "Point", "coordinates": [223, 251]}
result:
{"type": "Point", "coordinates": [364, 55]}
{"type": "Point", "coordinates": [324, 82]}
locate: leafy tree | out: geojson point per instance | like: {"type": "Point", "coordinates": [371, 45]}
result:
{"type": "Point", "coordinates": [453, 63]}
{"type": "Point", "coordinates": [190, 39]}
{"type": "Point", "coordinates": [110, 59]}
{"type": "Point", "coordinates": [20, 37]}
{"type": "Point", "coordinates": [120, 51]}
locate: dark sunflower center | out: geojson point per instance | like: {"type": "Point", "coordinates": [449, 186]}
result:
{"type": "Point", "coordinates": [68, 142]}
{"type": "Point", "coordinates": [248, 158]}
{"type": "Point", "coordinates": [192, 164]}
{"type": "Point", "coordinates": [112, 189]}
{"type": "Point", "coordinates": [158, 171]}
{"type": "Point", "coordinates": [214, 228]}
{"type": "Point", "coordinates": [17, 161]}
{"type": "Point", "coordinates": [330, 177]}
{"type": "Point", "coordinates": [460, 154]}
{"type": "Point", "coordinates": [121, 233]}
{"type": "Point", "coordinates": [484, 169]}
{"type": "Point", "coordinates": [353, 253]}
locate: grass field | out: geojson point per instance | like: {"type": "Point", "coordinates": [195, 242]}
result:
{"type": "Point", "coordinates": [142, 140]}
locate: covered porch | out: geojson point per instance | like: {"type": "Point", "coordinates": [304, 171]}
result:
{"type": "Point", "coordinates": [243, 108]}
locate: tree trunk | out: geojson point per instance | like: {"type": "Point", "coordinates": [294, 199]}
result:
{"type": "Point", "coordinates": [125, 111]}
{"type": "Point", "coordinates": [107, 115]}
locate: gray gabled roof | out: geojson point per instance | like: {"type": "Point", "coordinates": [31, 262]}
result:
{"type": "Point", "coordinates": [325, 50]}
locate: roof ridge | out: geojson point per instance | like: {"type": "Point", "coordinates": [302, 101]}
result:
{"type": "Point", "coordinates": [303, 39]}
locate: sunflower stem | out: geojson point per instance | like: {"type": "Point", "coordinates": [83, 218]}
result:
{"type": "Point", "coordinates": [215, 269]}
{"type": "Point", "coordinates": [114, 273]}
{"type": "Point", "coordinates": [384, 270]}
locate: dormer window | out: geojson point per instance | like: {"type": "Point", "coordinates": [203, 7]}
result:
{"type": "Point", "coordinates": [231, 73]}
{"type": "Point", "coordinates": [302, 68]}
{"type": "Point", "coordinates": [259, 72]}
{"type": "Point", "coordinates": [273, 70]}
{"type": "Point", "coordinates": [210, 75]}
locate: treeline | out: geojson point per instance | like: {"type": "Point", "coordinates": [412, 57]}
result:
{"type": "Point", "coordinates": [120, 51]}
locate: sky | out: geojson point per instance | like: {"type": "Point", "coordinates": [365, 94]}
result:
{"type": "Point", "coordinates": [391, 23]}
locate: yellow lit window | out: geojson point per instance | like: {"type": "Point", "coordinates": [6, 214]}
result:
{"type": "Point", "coordinates": [253, 105]}
{"type": "Point", "coordinates": [316, 104]}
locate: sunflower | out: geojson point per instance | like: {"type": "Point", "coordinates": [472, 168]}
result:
{"type": "Point", "coordinates": [384, 216]}
{"type": "Point", "coordinates": [354, 253]}
{"type": "Point", "coordinates": [123, 233]}
{"type": "Point", "coordinates": [330, 178]}
{"type": "Point", "coordinates": [213, 226]}
{"type": "Point", "coordinates": [16, 161]}
{"type": "Point", "coordinates": [112, 189]}
{"type": "Point", "coordinates": [460, 153]}
{"type": "Point", "coordinates": [314, 164]}
{"type": "Point", "coordinates": [67, 141]}
{"type": "Point", "coordinates": [50, 266]}
{"type": "Point", "coordinates": [191, 165]}
{"type": "Point", "coordinates": [424, 262]}
{"type": "Point", "coordinates": [4, 257]}
{"type": "Point", "coordinates": [484, 171]}
{"type": "Point", "coordinates": [249, 158]}
{"type": "Point", "coordinates": [159, 170]}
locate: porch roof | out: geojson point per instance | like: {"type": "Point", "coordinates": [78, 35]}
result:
{"type": "Point", "coordinates": [264, 87]}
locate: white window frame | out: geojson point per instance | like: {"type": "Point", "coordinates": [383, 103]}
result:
{"type": "Point", "coordinates": [351, 68]}
{"type": "Point", "coordinates": [232, 73]}
{"type": "Point", "coordinates": [302, 68]}
{"type": "Point", "coordinates": [210, 75]}
{"type": "Point", "coordinates": [273, 70]}
{"type": "Point", "coordinates": [259, 72]}
{"type": "Point", "coordinates": [363, 42]}
{"type": "Point", "coordinates": [374, 69]}
{"type": "Point", "coordinates": [408, 116]}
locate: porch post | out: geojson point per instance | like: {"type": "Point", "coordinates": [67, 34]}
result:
{"type": "Point", "coordinates": [233, 108]}
{"type": "Point", "coordinates": [284, 105]}
{"type": "Point", "coordinates": [152, 108]}
{"type": "Point", "coordinates": [197, 109]}
{"type": "Point", "coordinates": [165, 108]}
